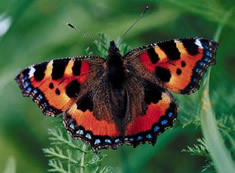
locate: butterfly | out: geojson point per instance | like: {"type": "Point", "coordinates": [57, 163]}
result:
{"type": "Point", "coordinates": [121, 99]}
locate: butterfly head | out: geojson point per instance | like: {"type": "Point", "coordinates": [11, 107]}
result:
{"type": "Point", "coordinates": [113, 50]}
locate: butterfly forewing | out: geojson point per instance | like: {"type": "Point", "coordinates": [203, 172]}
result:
{"type": "Point", "coordinates": [178, 64]}
{"type": "Point", "coordinates": [55, 85]}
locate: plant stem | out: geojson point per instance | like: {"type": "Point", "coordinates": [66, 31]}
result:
{"type": "Point", "coordinates": [82, 163]}
{"type": "Point", "coordinates": [215, 145]}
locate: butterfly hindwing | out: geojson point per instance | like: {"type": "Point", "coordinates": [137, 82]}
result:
{"type": "Point", "coordinates": [81, 122]}
{"type": "Point", "coordinates": [160, 112]}
{"type": "Point", "coordinates": [179, 64]}
{"type": "Point", "coordinates": [54, 85]}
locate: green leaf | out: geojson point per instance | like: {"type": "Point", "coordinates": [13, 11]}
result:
{"type": "Point", "coordinates": [69, 155]}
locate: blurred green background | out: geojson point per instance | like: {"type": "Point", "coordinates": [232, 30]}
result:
{"type": "Point", "coordinates": [35, 31]}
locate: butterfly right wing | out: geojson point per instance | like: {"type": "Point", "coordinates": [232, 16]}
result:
{"type": "Point", "coordinates": [55, 85]}
{"type": "Point", "coordinates": [177, 64]}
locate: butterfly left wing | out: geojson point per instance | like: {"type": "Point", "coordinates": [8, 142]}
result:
{"type": "Point", "coordinates": [54, 85]}
{"type": "Point", "coordinates": [178, 64]}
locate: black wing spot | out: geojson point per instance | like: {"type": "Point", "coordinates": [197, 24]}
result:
{"type": "Point", "coordinates": [59, 66]}
{"type": "Point", "coordinates": [190, 46]}
{"type": "Point", "coordinates": [57, 91]}
{"type": "Point", "coordinates": [178, 71]}
{"type": "Point", "coordinates": [76, 67]}
{"type": "Point", "coordinates": [163, 74]}
{"type": "Point", "coordinates": [183, 64]}
{"type": "Point", "coordinates": [169, 47]}
{"type": "Point", "coordinates": [85, 103]}
{"type": "Point", "coordinates": [153, 55]}
{"type": "Point", "coordinates": [72, 89]}
{"type": "Point", "coordinates": [153, 93]}
{"type": "Point", "coordinates": [51, 85]}
{"type": "Point", "coordinates": [40, 71]}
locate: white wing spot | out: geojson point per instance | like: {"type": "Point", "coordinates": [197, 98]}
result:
{"type": "Point", "coordinates": [198, 42]}
{"type": "Point", "coordinates": [31, 72]}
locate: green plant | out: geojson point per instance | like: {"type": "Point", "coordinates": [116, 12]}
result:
{"type": "Point", "coordinates": [212, 146]}
{"type": "Point", "coordinates": [70, 156]}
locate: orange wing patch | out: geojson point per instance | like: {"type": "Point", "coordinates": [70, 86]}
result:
{"type": "Point", "coordinates": [181, 71]}
{"type": "Point", "coordinates": [81, 123]}
{"type": "Point", "coordinates": [180, 64]}
{"type": "Point", "coordinates": [87, 120]}
{"type": "Point", "coordinates": [153, 114]}
{"type": "Point", "coordinates": [54, 85]}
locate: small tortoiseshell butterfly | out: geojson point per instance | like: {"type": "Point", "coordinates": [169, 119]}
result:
{"type": "Point", "coordinates": [120, 99]}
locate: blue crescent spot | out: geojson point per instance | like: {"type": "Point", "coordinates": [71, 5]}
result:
{"type": "Point", "coordinates": [208, 53]}
{"type": "Point", "coordinates": [29, 89]}
{"type": "Point", "coordinates": [194, 79]}
{"type": "Point", "coordinates": [26, 84]}
{"type": "Point", "coordinates": [116, 140]}
{"type": "Point", "coordinates": [197, 70]}
{"type": "Point", "coordinates": [206, 59]}
{"type": "Point", "coordinates": [170, 114]}
{"type": "Point", "coordinates": [206, 47]}
{"type": "Point", "coordinates": [71, 126]}
{"type": "Point", "coordinates": [149, 136]}
{"type": "Point", "coordinates": [164, 122]}
{"type": "Point", "coordinates": [156, 128]}
{"type": "Point", "coordinates": [201, 63]}
{"type": "Point", "coordinates": [131, 139]}
{"type": "Point", "coordinates": [97, 141]}
{"type": "Point", "coordinates": [126, 139]}
{"type": "Point", "coordinates": [26, 77]}
{"type": "Point", "coordinates": [45, 104]}
{"type": "Point", "coordinates": [139, 138]}
{"type": "Point", "coordinates": [35, 91]}
{"type": "Point", "coordinates": [80, 132]}
{"type": "Point", "coordinates": [40, 96]}
{"type": "Point", "coordinates": [108, 141]}
{"type": "Point", "coordinates": [88, 136]}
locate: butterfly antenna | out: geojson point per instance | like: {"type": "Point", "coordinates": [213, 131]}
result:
{"type": "Point", "coordinates": [140, 16]}
{"type": "Point", "coordinates": [87, 35]}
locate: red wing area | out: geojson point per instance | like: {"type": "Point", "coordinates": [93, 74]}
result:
{"type": "Point", "coordinates": [180, 64]}
{"type": "Point", "coordinates": [161, 111]}
{"type": "Point", "coordinates": [98, 133]}
{"type": "Point", "coordinates": [81, 123]}
{"type": "Point", "coordinates": [54, 85]}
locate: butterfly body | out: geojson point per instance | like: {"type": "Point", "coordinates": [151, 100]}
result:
{"type": "Point", "coordinates": [115, 67]}
{"type": "Point", "coordinates": [120, 99]}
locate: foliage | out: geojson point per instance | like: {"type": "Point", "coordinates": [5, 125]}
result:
{"type": "Point", "coordinates": [71, 156]}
